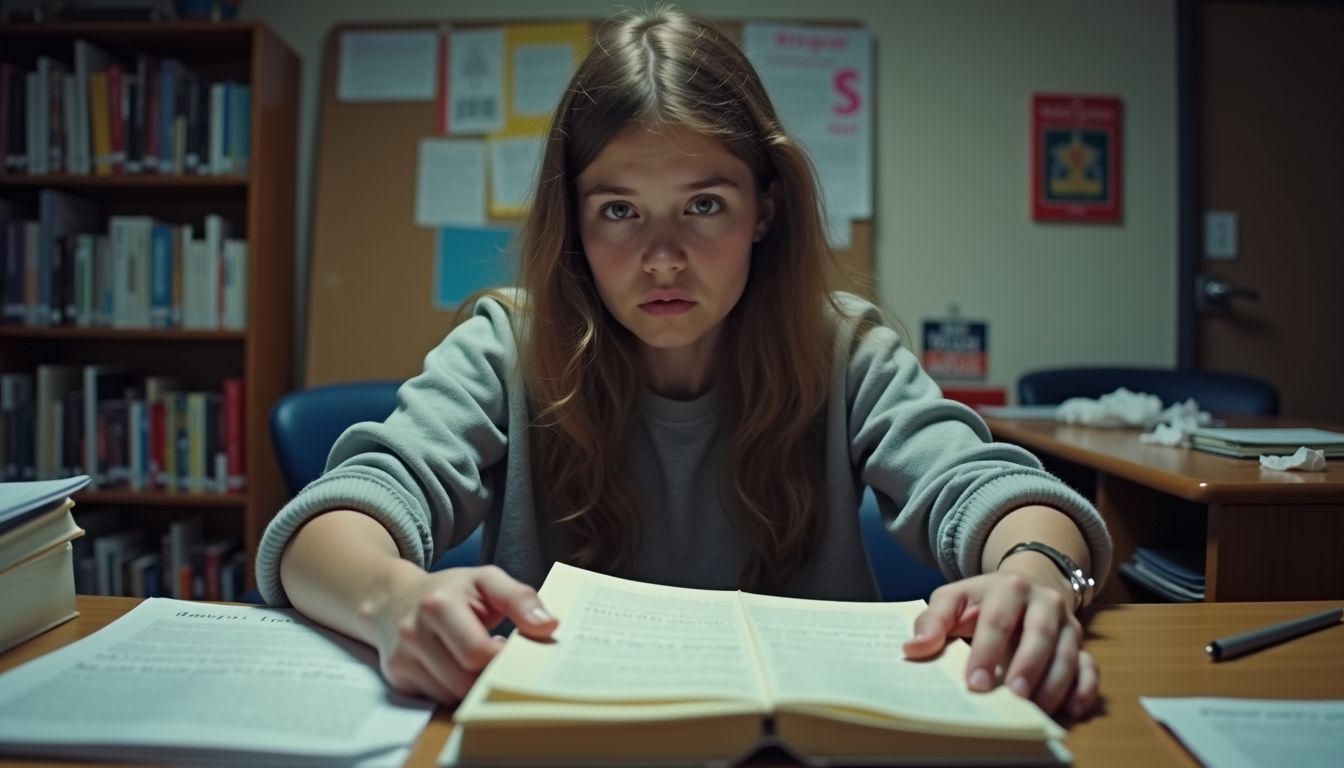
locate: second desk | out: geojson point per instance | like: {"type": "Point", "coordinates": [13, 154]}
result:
{"type": "Point", "coordinates": [1266, 535]}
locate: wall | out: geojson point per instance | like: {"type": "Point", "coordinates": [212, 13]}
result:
{"type": "Point", "coordinates": [954, 81]}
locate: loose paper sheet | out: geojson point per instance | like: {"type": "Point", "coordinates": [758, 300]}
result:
{"type": "Point", "coordinates": [1254, 733]}
{"type": "Point", "coordinates": [450, 183]}
{"type": "Point", "coordinates": [174, 677]}
{"type": "Point", "coordinates": [388, 66]}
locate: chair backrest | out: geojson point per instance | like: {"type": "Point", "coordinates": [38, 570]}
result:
{"type": "Point", "coordinates": [899, 575]}
{"type": "Point", "coordinates": [1215, 392]}
{"type": "Point", "coordinates": [306, 424]}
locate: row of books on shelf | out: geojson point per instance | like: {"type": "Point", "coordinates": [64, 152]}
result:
{"type": "Point", "coordinates": [142, 273]}
{"type": "Point", "coordinates": [117, 559]}
{"type": "Point", "coordinates": [122, 430]}
{"type": "Point", "coordinates": [95, 114]}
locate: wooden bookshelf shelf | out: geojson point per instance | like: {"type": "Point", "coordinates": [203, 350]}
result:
{"type": "Point", "coordinates": [122, 497]}
{"type": "Point", "coordinates": [199, 41]}
{"type": "Point", "coordinates": [118, 334]}
{"type": "Point", "coordinates": [124, 181]}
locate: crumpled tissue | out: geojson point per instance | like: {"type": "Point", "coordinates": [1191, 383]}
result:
{"type": "Point", "coordinates": [1306, 459]}
{"type": "Point", "coordinates": [1123, 408]}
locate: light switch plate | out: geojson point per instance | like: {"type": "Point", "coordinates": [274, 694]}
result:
{"type": "Point", "coordinates": [1220, 235]}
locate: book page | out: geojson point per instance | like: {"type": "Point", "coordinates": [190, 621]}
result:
{"type": "Point", "coordinates": [624, 640]}
{"type": "Point", "coordinates": [189, 677]}
{"type": "Point", "coordinates": [850, 655]}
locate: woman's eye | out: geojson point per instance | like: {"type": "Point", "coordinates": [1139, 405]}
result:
{"type": "Point", "coordinates": [704, 206]}
{"type": "Point", "coordinates": [617, 211]}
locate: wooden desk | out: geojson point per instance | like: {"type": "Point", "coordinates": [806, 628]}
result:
{"type": "Point", "coordinates": [1143, 650]}
{"type": "Point", "coordinates": [1266, 535]}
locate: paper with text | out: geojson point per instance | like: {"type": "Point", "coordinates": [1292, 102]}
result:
{"type": "Point", "coordinates": [622, 640]}
{"type": "Point", "coordinates": [1255, 733]}
{"type": "Point", "coordinates": [388, 65]}
{"type": "Point", "coordinates": [514, 165]}
{"type": "Point", "coordinates": [850, 654]}
{"type": "Point", "coordinates": [450, 183]}
{"type": "Point", "coordinates": [173, 677]}
{"type": "Point", "coordinates": [539, 60]}
{"type": "Point", "coordinates": [475, 76]}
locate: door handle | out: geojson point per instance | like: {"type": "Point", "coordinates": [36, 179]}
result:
{"type": "Point", "coordinates": [1214, 293]}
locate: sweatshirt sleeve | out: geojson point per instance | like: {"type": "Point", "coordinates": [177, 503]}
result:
{"type": "Point", "coordinates": [941, 483]}
{"type": "Point", "coordinates": [424, 472]}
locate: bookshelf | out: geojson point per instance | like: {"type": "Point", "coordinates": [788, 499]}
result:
{"type": "Point", "coordinates": [258, 204]}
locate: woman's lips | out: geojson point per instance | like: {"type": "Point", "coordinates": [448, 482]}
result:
{"type": "Point", "coordinates": [667, 308]}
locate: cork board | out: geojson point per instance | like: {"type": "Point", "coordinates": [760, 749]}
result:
{"type": "Point", "coordinates": [370, 314]}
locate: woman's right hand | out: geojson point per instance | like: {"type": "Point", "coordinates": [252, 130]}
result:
{"type": "Point", "coordinates": [434, 634]}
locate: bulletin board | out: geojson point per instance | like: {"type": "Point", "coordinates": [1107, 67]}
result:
{"type": "Point", "coordinates": [370, 314]}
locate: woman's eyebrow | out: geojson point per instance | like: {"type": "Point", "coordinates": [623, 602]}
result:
{"type": "Point", "coordinates": [694, 186]}
{"type": "Point", "coordinates": [712, 181]}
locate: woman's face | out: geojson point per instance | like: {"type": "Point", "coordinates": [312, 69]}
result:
{"type": "Point", "coordinates": [667, 219]}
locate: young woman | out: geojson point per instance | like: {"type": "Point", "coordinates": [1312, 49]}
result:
{"type": "Point", "coordinates": [676, 395]}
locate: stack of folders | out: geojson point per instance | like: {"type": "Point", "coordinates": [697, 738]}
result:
{"type": "Point", "coordinates": [1251, 443]}
{"type": "Point", "coordinates": [37, 575]}
{"type": "Point", "coordinates": [1174, 574]}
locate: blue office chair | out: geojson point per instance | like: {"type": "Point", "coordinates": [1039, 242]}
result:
{"type": "Point", "coordinates": [1217, 393]}
{"type": "Point", "coordinates": [305, 425]}
{"type": "Point", "coordinates": [899, 575]}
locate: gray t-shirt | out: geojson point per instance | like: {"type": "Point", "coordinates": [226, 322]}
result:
{"type": "Point", "coordinates": [454, 455]}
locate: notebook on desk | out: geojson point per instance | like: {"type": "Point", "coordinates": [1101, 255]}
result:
{"type": "Point", "coordinates": [1249, 443]}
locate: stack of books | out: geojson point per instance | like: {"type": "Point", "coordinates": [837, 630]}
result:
{"type": "Point", "coordinates": [37, 573]}
{"type": "Point", "coordinates": [1174, 574]}
{"type": "Point", "coordinates": [1251, 443]}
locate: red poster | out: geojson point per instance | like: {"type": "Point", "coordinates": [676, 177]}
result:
{"type": "Point", "coordinates": [1076, 158]}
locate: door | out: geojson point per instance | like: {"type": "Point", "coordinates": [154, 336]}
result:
{"type": "Point", "coordinates": [1268, 140]}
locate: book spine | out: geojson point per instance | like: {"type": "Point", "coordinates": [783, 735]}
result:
{"type": "Point", "coordinates": [100, 124]}
{"type": "Point", "coordinates": [233, 433]}
{"type": "Point", "coordinates": [6, 90]}
{"type": "Point", "coordinates": [169, 76]}
{"type": "Point", "coordinates": [161, 277]}
{"type": "Point", "coordinates": [117, 111]}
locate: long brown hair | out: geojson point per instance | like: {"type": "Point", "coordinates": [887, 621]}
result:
{"type": "Point", "coordinates": [580, 366]}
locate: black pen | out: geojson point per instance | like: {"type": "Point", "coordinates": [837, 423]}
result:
{"type": "Point", "coordinates": [1249, 642]}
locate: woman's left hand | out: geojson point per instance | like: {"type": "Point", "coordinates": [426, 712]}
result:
{"type": "Point", "coordinates": [1017, 618]}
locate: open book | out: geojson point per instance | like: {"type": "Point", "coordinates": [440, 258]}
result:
{"type": "Point", "coordinates": [638, 673]}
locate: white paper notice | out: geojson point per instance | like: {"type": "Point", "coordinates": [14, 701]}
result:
{"type": "Point", "coordinates": [475, 81]}
{"type": "Point", "coordinates": [540, 74]}
{"type": "Point", "coordinates": [514, 164]}
{"type": "Point", "coordinates": [388, 66]}
{"type": "Point", "coordinates": [1255, 733]}
{"type": "Point", "coordinates": [820, 80]}
{"type": "Point", "coordinates": [180, 682]}
{"type": "Point", "coordinates": [450, 183]}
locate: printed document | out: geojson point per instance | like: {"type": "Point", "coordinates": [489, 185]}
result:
{"type": "Point", "coordinates": [1253, 733]}
{"type": "Point", "coordinates": [182, 681]}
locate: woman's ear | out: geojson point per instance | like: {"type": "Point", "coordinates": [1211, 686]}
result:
{"type": "Point", "coordinates": [765, 214]}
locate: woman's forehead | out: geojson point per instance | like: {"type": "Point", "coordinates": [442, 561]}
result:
{"type": "Point", "coordinates": [664, 154]}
